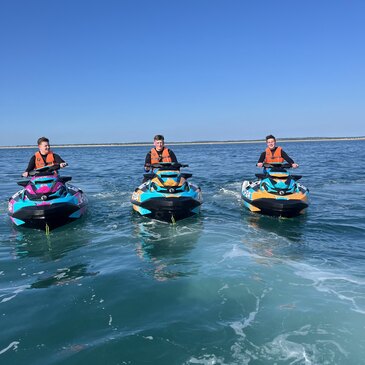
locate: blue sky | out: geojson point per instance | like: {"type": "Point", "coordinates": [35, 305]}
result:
{"type": "Point", "coordinates": [95, 71]}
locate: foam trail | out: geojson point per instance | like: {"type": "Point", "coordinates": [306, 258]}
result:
{"type": "Point", "coordinates": [14, 345]}
{"type": "Point", "coordinates": [328, 282]}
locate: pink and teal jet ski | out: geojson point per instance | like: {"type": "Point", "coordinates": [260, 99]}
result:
{"type": "Point", "coordinates": [46, 200]}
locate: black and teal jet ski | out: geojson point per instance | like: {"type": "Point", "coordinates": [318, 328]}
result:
{"type": "Point", "coordinates": [167, 195]}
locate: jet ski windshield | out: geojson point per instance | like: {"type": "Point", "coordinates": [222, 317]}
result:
{"type": "Point", "coordinates": [44, 171]}
{"type": "Point", "coordinates": [168, 165]}
{"type": "Point", "coordinates": [277, 167]}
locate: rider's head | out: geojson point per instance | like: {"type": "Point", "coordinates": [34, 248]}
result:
{"type": "Point", "coordinates": [270, 141]}
{"type": "Point", "coordinates": [43, 145]}
{"type": "Point", "coordinates": [159, 142]}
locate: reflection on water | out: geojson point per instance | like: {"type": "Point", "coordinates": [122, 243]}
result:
{"type": "Point", "coordinates": [35, 243]}
{"type": "Point", "coordinates": [63, 276]}
{"type": "Point", "coordinates": [167, 246]}
{"type": "Point", "coordinates": [288, 228]}
{"type": "Point", "coordinates": [274, 237]}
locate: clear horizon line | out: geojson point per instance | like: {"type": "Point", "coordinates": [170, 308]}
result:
{"type": "Point", "coordinates": [136, 144]}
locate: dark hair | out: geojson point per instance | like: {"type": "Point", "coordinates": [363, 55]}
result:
{"type": "Point", "coordinates": [158, 137]}
{"type": "Point", "coordinates": [42, 139]}
{"type": "Point", "coordinates": [270, 136]}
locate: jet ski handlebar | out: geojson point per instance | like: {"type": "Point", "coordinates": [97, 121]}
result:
{"type": "Point", "coordinates": [168, 165]}
{"type": "Point", "coordinates": [278, 165]}
{"type": "Point", "coordinates": [45, 170]}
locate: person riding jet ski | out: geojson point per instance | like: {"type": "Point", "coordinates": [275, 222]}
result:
{"type": "Point", "coordinates": [277, 192]}
{"type": "Point", "coordinates": [43, 157]}
{"type": "Point", "coordinates": [274, 154]}
{"type": "Point", "coordinates": [46, 201]}
{"type": "Point", "coordinates": [167, 195]}
{"type": "Point", "coordinates": [159, 153]}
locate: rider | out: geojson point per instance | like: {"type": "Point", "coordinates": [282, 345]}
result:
{"type": "Point", "coordinates": [43, 157]}
{"type": "Point", "coordinates": [159, 153]}
{"type": "Point", "coordinates": [274, 154]}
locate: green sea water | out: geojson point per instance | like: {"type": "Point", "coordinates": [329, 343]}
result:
{"type": "Point", "coordinates": [226, 287]}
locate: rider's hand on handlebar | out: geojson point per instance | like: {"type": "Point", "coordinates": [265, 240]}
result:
{"type": "Point", "coordinates": [63, 164]}
{"type": "Point", "coordinates": [294, 165]}
{"type": "Point", "coordinates": [25, 174]}
{"type": "Point", "coordinates": [260, 164]}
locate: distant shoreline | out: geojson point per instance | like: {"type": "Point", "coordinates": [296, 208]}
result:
{"type": "Point", "coordinates": [142, 144]}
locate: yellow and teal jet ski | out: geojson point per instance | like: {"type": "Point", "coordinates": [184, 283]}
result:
{"type": "Point", "coordinates": [276, 192]}
{"type": "Point", "coordinates": [167, 195]}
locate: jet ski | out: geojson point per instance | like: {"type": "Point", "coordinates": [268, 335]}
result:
{"type": "Point", "coordinates": [167, 195]}
{"type": "Point", "coordinates": [46, 200]}
{"type": "Point", "coordinates": [276, 192]}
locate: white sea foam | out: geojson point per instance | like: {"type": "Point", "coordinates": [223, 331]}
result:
{"type": "Point", "coordinates": [10, 293]}
{"type": "Point", "coordinates": [221, 293]}
{"type": "Point", "coordinates": [206, 360]}
{"type": "Point", "coordinates": [126, 204]}
{"type": "Point", "coordinates": [234, 192]}
{"type": "Point", "coordinates": [239, 326]}
{"type": "Point", "coordinates": [280, 349]}
{"type": "Point", "coordinates": [333, 283]}
{"type": "Point", "coordinates": [345, 287]}
{"type": "Point", "coordinates": [235, 252]}
{"type": "Point", "coordinates": [285, 350]}
{"type": "Point", "coordinates": [8, 298]}
{"type": "Point", "coordinates": [13, 345]}
{"type": "Point", "coordinates": [38, 273]}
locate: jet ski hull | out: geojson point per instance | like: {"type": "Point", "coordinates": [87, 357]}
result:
{"type": "Point", "coordinates": [54, 215]}
{"type": "Point", "coordinates": [168, 209]}
{"type": "Point", "coordinates": [277, 207]}
{"type": "Point", "coordinates": [47, 214]}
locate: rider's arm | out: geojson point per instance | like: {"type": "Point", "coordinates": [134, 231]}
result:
{"type": "Point", "coordinates": [173, 157]}
{"type": "Point", "coordinates": [287, 158]}
{"type": "Point", "coordinates": [262, 157]}
{"type": "Point", "coordinates": [58, 159]}
{"type": "Point", "coordinates": [147, 162]}
{"type": "Point", "coordinates": [31, 164]}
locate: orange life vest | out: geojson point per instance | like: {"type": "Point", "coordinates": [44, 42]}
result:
{"type": "Point", "coordinates": [39, 162]}
{"type": "Point", "coordinates": [273, 157]}
{"type": "Point", "coordinates": [155, 158]}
